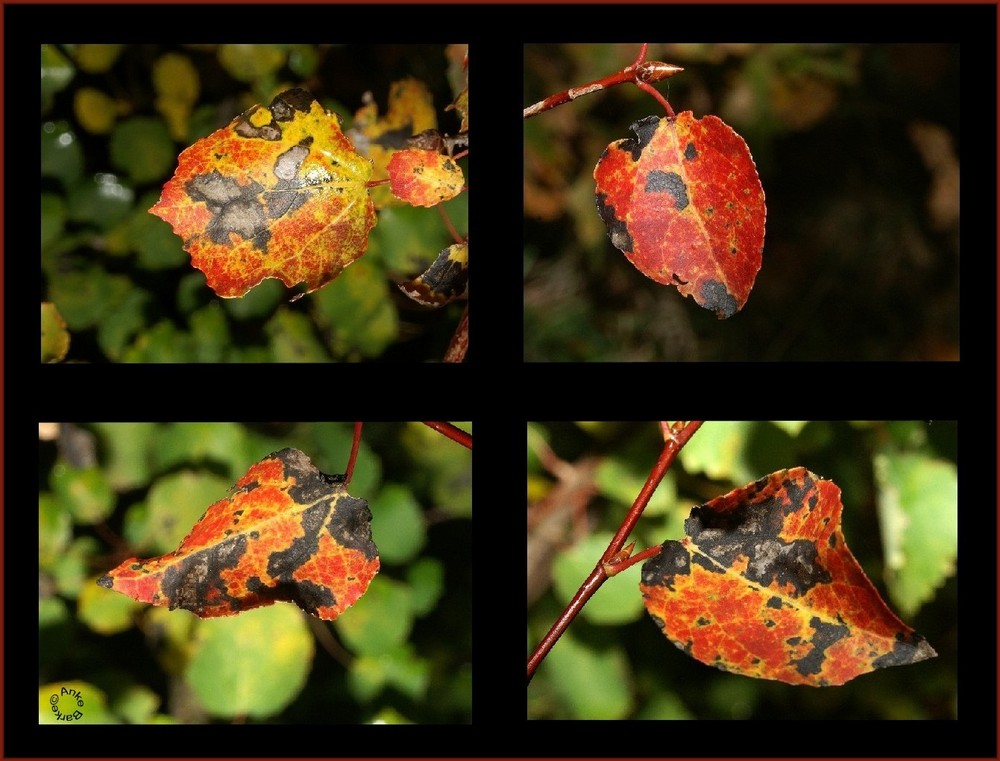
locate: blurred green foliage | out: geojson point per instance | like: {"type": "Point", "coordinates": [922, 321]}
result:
{"type": "Point", "coordinates": [857, 147]}
{"type": "Point", "coordinates": [614, 662]}
{"type": "Point", "coordinates": [115, 118]}
{"type": "Point", "coordinates": [109, 491]}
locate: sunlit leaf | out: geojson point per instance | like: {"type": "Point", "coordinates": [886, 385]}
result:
{"type": "Point", "coordinates": [765, 586]}
{"type": "Point", "coordinates": [288, 532]}
{"type": "Point", "coordinates": [279, 193]}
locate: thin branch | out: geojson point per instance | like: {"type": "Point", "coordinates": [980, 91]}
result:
{"type": "Point", "coordinates": [354, 453]}
{"type": "Point", "coordinates": [679, 436]}
{"type": "Point", "coordinates": [641, 72]}
{"type": "Point", "coordinates": [453, 433]}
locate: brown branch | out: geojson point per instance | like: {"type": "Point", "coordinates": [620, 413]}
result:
{"type": "Point", "coordinates": [678, 436]}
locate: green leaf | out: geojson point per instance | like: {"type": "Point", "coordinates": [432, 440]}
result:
{"type": "Point", "coordinates": [62, 156]}
{"type": "Point", "coordinates": [426, 577]}
{"type": "Point", "coordinates": [210, 331]}
{"type": "Point", "coordinates": [398, 522]}
{"type": "Point", "coordinates": [57, 71]}
{"type": "Point", "coordinates": [163, 342]}
{"type": "Point", "coordinates": [621, 480]}
{"type": "Point", "coordinates": [53, 218]}
{"type": "Point", "coordinates": [71, 570]}
{"type": "Point", "coordinates": [103, 201]}
{"type": "Point", "coordinates": [253, 664]}
{"type": "Point", "coordinates": [292, 338]}
{"type": "Point", "coordinates": [117, 327]}
{"type": "Point", "coordinates": [357, 310]}
{"type": "Point", "coordinates": [399, 668]}
{"type": "Point", "coordinates": [141, 146]}
{"type": "Point", "coordinates": [592, 682]}
{"type": "Point", "coordinates": [380, 620]}
{"type": "Point", "coordinates": [717, 451]}
{"type": "Point", "coordinates": [136, 704]}
{"type": "Point", "coordinates": [918, 514]}
{"type": "Point", "coordinates": [95, 59]}
{"type": "Point", "coordinates": [204, 442]}
{"type": "Point", "coordinates": [55, 337]}
{"type": "Point", "coordinates": [55, 529]}
{"type": "Point", "coordinates": [126, 449]}
{"type": "Point", "coordinates": [176, 82]}
{"type": "Point", "coordinates": [105, 613]}
{"type": "Point", "coordinates": [84, 492]}
{"type": "Point", "coordinates": [248, 63]}
{"type": "Point", "coordinates": [95, 111]}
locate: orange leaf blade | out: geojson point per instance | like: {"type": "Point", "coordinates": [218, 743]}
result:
{"type": "Point", "coordinates": [683, 202]}
{"type": "Point", "coordinates": [288, 532]}
{"type": "Point", "coordinates": [279, 193]}
{"type": "Point", "coordinates": [765, 586]}
{"type": "Point", "coordinates": [424, 178]}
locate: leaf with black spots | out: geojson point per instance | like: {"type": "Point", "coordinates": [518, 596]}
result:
{"type": "Point", "coordinates": [424, 177]}
{"type": "Point", "coordinates": [444, 281]}
{"type": "Point", "coordinates": [683, 202]}
{"type": "Point", "coordinates": [279, 193]}
{"type": "Point", "coordinates": [764, 585]}
{"type": "Point", "coordinates": [287, 532]}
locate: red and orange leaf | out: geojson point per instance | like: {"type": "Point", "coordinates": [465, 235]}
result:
{"type": "Point", "coordinates": [424, 178]}
{"type": "Point", "coordinates": [279, 193]}
{"type": "Point", "coordinates": [764, 585]}
{"type": "Point", "coordinates": [410, 112]}
{"type": "Point", "coordinates": [683, 202]}
{"type": "Point", "coordinates": [287, 532]}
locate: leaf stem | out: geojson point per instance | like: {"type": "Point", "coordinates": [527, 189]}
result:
{"type": "Point", "coordinates": [453, 433]}
{"type": "Point", "coordinates": [354, 453]}
{"type": "Point", "coordinates": [679, 435]}
{"type": "Point", "coordinates": [658, 96]}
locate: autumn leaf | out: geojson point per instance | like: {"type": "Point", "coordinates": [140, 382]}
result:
{"type": "Point", "coordinates": [764, 585]}
{"type": "Point", "coordinates": [444, 281]}
{"type": "Point", "coordinates": [279, 193]}
{"type": "Point", "coordinates": [410, 112]}
{"type": "Point", "coordinates": [424, 178]}
{"type": "Point", "coordinates": [287, 532]}
{"type": "Point", "coordinates": [683, 202]}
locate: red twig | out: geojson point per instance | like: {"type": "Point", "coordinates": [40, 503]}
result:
{"type": "Point", "coordinates": [453, 433]}
{"type": "Point", "coordinates": [460, 340]}
{"type": "Point", "coordinates": [641, 73]}
{"type": "Point", "coordinates": [354, 453]}
{"type": "Point", "coordinates": [680, 435]}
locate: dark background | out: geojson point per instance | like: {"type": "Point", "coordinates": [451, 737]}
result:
{"type": "Point", "coordinates": [858, 148]}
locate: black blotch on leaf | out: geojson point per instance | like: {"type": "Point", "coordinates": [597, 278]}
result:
{"type": "Point", "coordinates": [189, 583]}
{"type": "Point", "coordinates": [668, 182]}
{"type": "Point", "coordinates": [351, 526]}
{"type": "Point", "coordinates": [825, 636]}
{"type": "Point", "coordinates": [644, 130]}
{"type": "Point", "coordinates": [285, 104]}
{"type": "Point", "coordinates": [660, 570]}
{"type": "Point", "coordinates": [716, 298]}
{"type": "Point", "coordinates": [617, 231]}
